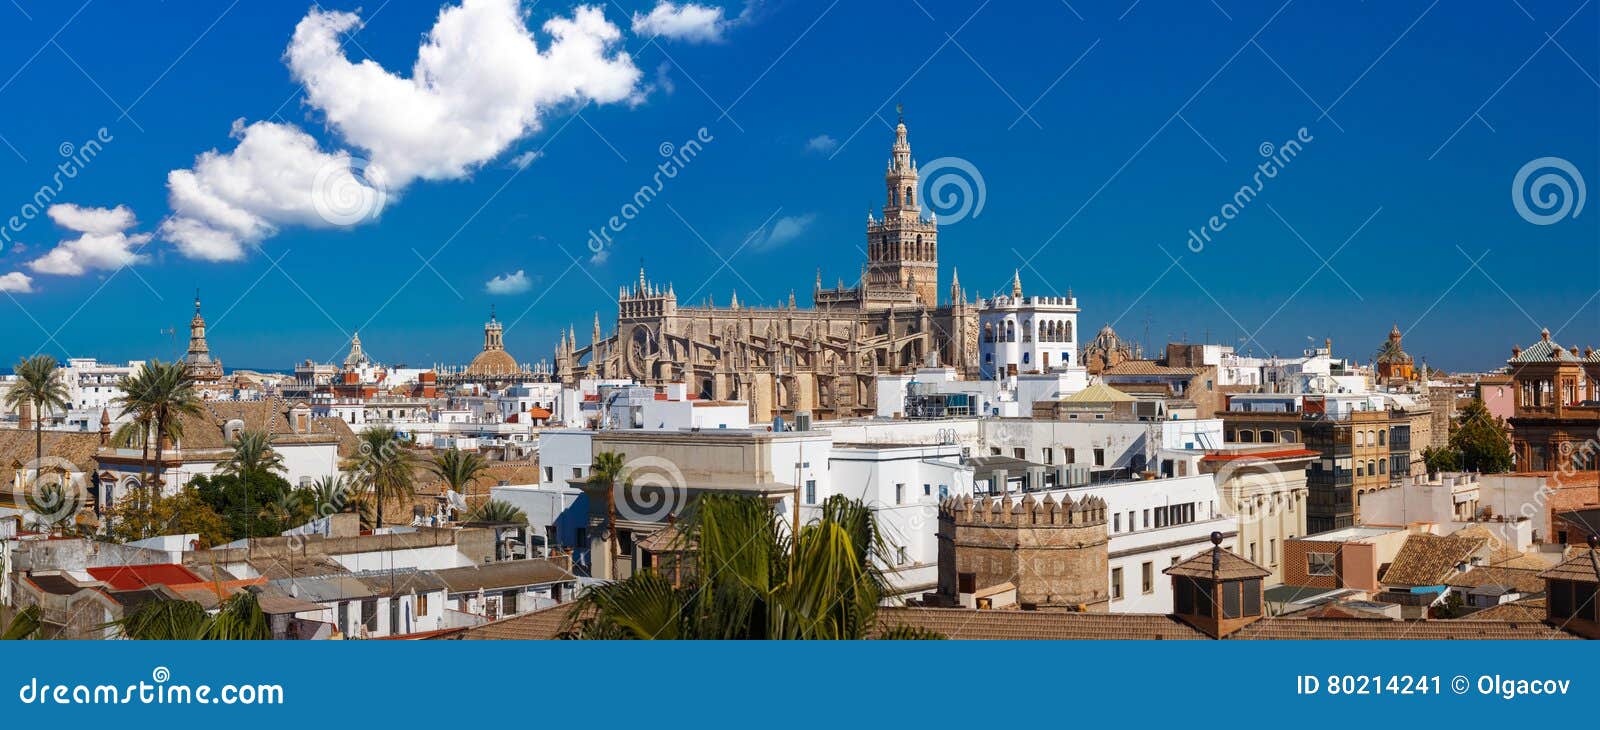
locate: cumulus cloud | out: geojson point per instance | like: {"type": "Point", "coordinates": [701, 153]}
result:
{"type": "Point", "coordinates": [480, 83]}
{"type": "Point", "coordinates": [276, 175]}
{"type": "Point", "coordinates": [103, 242]}
{"type": "Point", "coordinates": [783, 231]}
{"type": "Point", "coordinates": [512, 283]}
{"type": "Point", "coordinates": [16, 282]}
{"type": "Point", "coordinates": [822, 144]}
{"type": "Point", "coordinates": [689, 22]}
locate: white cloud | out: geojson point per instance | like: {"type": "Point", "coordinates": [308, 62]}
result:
{"type": "Point", "coordinates": [480, 83]}
{"type": "Point", "coordinates": [103, 241]}
{"type": "Point", "coordinates": [822, 143]}
{"type": "Point", "coordinates": [689, 22]}
{"type": "Point", "coordinates": [276, 175]}
{"type": "Point", "coordinates": [784, 230]}
{"type": "Point", "coordinates": [16, 282]}
{"type": "Point", "coordinates": [522, 161]}
{"type": "Point", "coordinates": [513, 283]}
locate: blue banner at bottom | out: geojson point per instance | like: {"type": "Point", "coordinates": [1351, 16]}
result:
{"type": "Point", "coordinates": [788, 684]}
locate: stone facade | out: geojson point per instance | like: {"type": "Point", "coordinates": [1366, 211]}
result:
{"type": "Point", "coordinates": [1054, 553]}
{"type": "Point", "coordinates": [783, 360]}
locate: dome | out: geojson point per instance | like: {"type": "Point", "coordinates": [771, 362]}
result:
{"type": "Point", "coordinates": [492, 362]}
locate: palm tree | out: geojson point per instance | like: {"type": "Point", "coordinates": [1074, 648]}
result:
{"type": "Point", "coordinates": [157, 397]}
{"type": "Point", "coordinates": [383, 466]}
{"type": "Point", "coordinates": [459, 469]}
{"type": "Point", "coordinates": [22, 625]}
{"type": "Point", "coordinates": [52, 506]}
{"type": "Point", "coordinates": [607, 469]}
{"type": "Point", "coordinates": [496, 510]}
{"type": "Point", "coordinates": [239, 619]}
{"type": "Point", "coordinates": [751, 579]}
{"type": "Point", "coordinates": [38, 385]}
{"type": "Point", "coordinates": [172, 395]}
{"type": "Point", "coordinates": [334, 494]}
{"type": "Point", "coordinates": [252, 455]}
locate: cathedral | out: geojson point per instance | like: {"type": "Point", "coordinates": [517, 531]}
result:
{"type": "Point", "coordinates": [785, 360]}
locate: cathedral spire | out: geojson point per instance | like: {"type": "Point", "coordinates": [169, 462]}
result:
{"type": "Point", "coordinates": [956, 295]}
{"type": "Point", "coordinates": [1016, 283]}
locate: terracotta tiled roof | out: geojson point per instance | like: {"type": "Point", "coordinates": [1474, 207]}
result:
{"type": "Point", "coordinates": [1368, 630]}
{"type": "Point", "coordinates": [1098, 392]}
{"type": "Point", "coordinates": [1578, 566]}
{"type": "Point", "coordinates": [543, 624]}
{"type": "Point", "coordinates": [1428, 560]}
{"type": "Point", "coordinates": [1527, 609]}
{"type": "Point", "coordinates": [1265, 455]}
{"type": "Point", "coordinates": [1148, 367]}
{"type": "Point", "coordinates": [961, 623]}
{"type": "Point", "coordinates": [1524, 562]}
{"type": "Point", "coordinates": [1518, 579]}
{"type": "Point", "coordinates": [1218, 564]}
{"type": "Point", "coordinates": [508, 574]}
{"type": "Point", "coordinates": [16, 446]}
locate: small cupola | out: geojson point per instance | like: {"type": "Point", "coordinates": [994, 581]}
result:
{"type": "Point", "coordinates": [1217, 591]}
{"type": "Point", "coordinates": [1571, 592]}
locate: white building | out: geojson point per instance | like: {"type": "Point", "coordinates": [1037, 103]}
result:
{"type": "Point", "coordinates": [1020, 334]}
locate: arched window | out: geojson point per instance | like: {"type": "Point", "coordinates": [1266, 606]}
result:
{"type": "Point", "coordinates": [1287, 437]}
{"type": "Point", "coordinates": [1026, 357]}
{"type": "Point", "coordinates": [1372, 467]}
{"type": "Point", "coordinates": [908, 202]}
{"type": "Point", "coordinates": [1360, 439]}
{"type": "Point", "coordinates": [1383, 438]}
{"type": "Point", "coordinates": [1246, 436]}
{"type": "Point", "coordinates": [1382, 467]}
{"type": "Point", "coordinates": [1268, 436]}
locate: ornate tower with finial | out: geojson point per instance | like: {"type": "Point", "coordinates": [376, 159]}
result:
{"type": "Point", "coordinates": [198, 360]}
{"type": "Point", "coordinates": [903, 249]}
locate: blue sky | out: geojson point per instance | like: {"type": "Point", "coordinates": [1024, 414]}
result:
{"type": "Point", "coordinates": [1103, 134]}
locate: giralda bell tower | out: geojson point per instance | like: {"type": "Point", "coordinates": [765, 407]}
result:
{"type": "Point", "coordinates": [903, 249]}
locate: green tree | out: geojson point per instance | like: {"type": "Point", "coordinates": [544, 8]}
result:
{"type": "Point", "coordinates": [239, 619]}
{"type": "Point", "coordinates": [606, 471]}
{"type": "Point", "coordinates": [1440, 460]}
{"type": "Point", "coordinates": [383, 467]}
{"type": "Point", "coordinates": [749, 580]}
{"type": "Point", "coordinates": [40, 387]}
{"type": "Point", "coordinates": [496, 510]}
{"type": "Point", "coordinates": [22, 626]}
{"type": "Point", "coordinates": [131, 518]}
{"type": "Point", "coordinates": [459, 469]}
{"type": "Point", "coordinates": [156, 398]}
{"type": "Point", "coordinates": [334, 494]}
{"type": "Point", "coordinates": [1479, 440]}
{"type": "Point", "coordinates": [256, 506]}
{"type": "Point", "coordinates": [252, 454]}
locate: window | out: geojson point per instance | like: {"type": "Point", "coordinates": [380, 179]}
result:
{"type": "Point", "coordinates": [1147, 577]}
{"type": "Point", "coordinates": [927, 490]}
{"type": "Point", "coordinates": [1020, 453]}
{"type": "Point", "coordinates": [577, 472]}
{"type": "Point", "coordinates": [1146, 519]}
{"type": "Point", "coordinates": [1099, 457]}
{"type": "Point", "coordinates": [1049, 455]}
{"type": "Point", "coordinates": [1252, 552]}
{"type": "Point", "coordinates": [899, 493]}
{"type": "Point", "coordinates": [1272, 551]}
{"type": "Point", "coordinates": [811, 491]}
{"type": "Point", "coordinates": [1069, 455]}
{"type": "Point", "coordinates": [549, 473]}
{"type": "Point", "coordinates": [422, 605]}
{"type": "Point", "coordinates": [1319, 564]}
{"type": "Point", "coordinates": [1116, 522]}
{"type": "Point", "coordinates": [1116, 584]}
